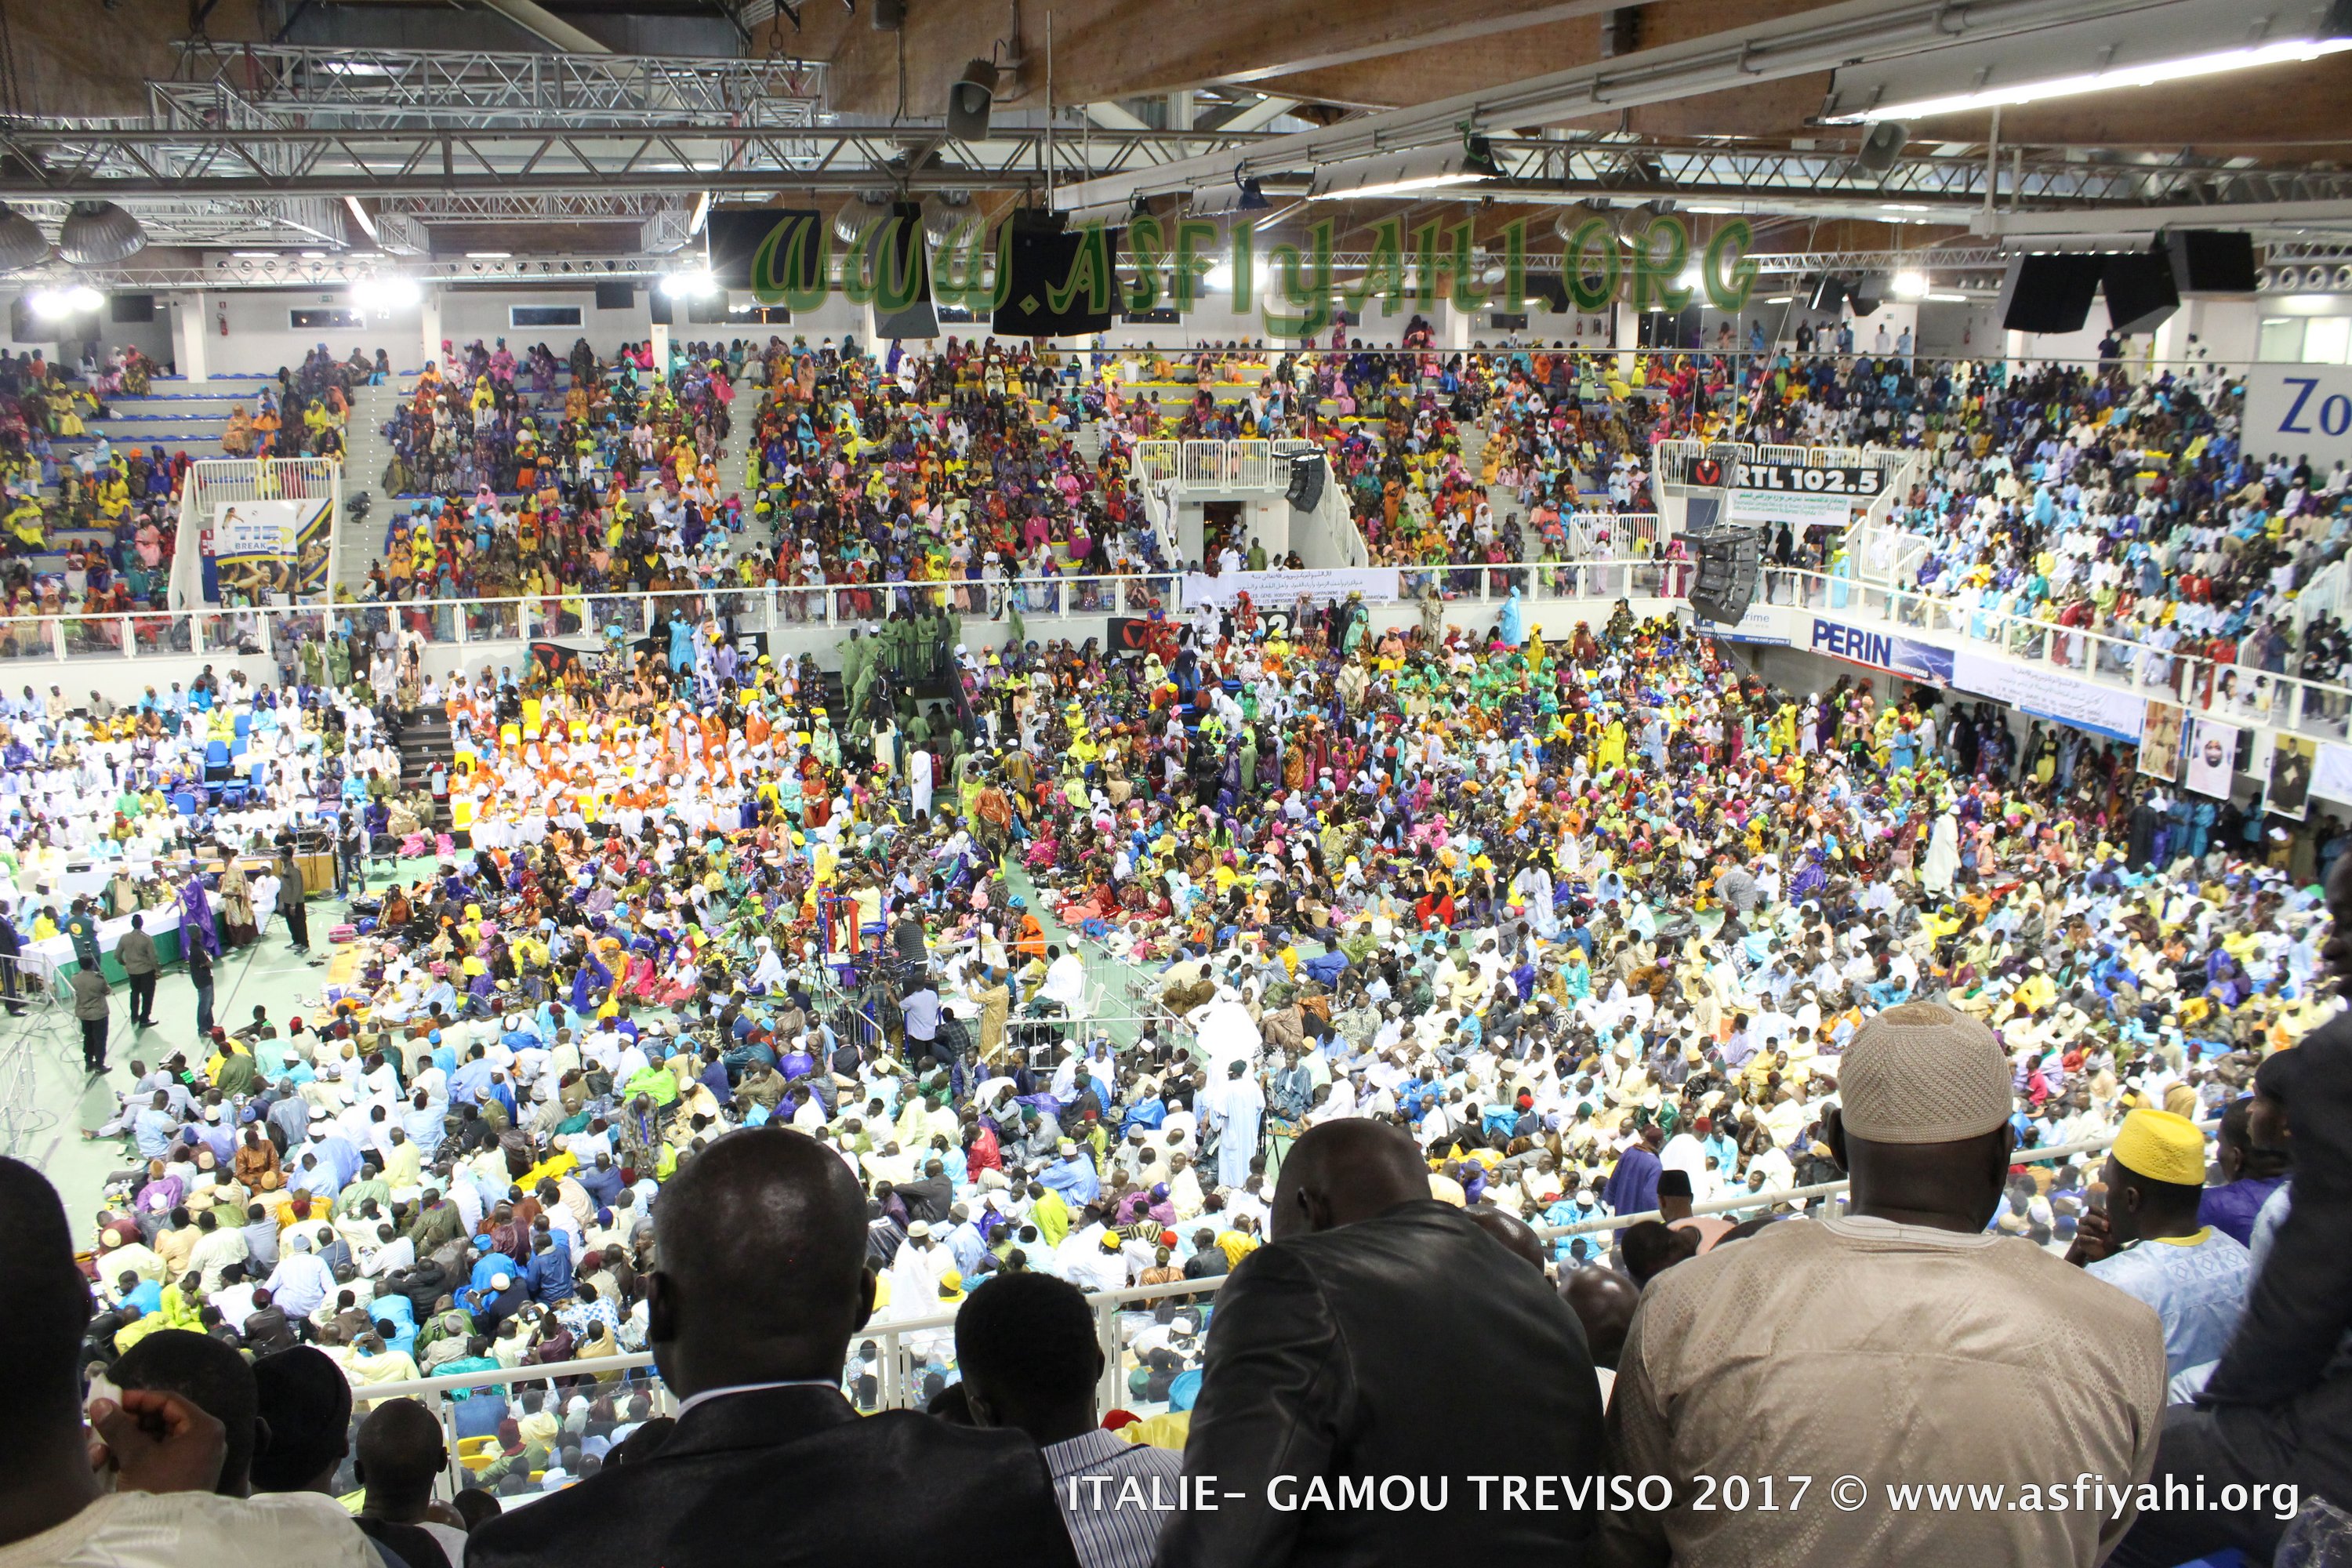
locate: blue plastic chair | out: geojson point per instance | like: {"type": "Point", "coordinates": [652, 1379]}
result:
{"type": "Point", "coordinates": [215, 753]}
{"type": "Point", "coordinates": [243, 724]}
{"type": "Point", "coordinates": [186, 803]}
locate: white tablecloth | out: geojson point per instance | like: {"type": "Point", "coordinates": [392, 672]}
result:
{"type": "Point", "coordinates": [43, 959]}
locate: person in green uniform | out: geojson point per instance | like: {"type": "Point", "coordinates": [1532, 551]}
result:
{"type": "Point", "coordinates": [81, 926]}
{"type": "Point", "coordinates": [861, 663]}
{"type": "Point", "coordinates": [312, 660]}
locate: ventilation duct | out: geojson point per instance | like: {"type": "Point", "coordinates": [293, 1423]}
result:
{"type": "Point", "coordinates": [97, 234]}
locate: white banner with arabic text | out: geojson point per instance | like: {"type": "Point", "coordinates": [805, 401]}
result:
{"type": "Point", "coordinates": [1281, 589]}
{"type": "Point", "coordinates": [2107, 710]}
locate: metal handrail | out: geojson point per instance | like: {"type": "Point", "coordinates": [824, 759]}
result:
{"type": "Point", "coordinates": [889, 1335]}
{"type": "Point", "coordinates": [1769, 1197]}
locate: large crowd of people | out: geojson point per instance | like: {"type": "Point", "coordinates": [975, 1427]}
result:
{"type": "Point", "coordinates": [1010, 967]}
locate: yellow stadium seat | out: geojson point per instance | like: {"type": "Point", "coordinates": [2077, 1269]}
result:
{"type": "Point", "coordinates": [531, 714]}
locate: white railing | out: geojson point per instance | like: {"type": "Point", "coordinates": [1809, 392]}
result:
{"type": "Point", "coordinates": [1883, 551]}
{"type": "Point", "coordinates": [1220, 464]}
{"type": "Point", "coordinates": [1608, 535]}
{"type": "Point", "coordinates": [904, 1348]}
{"type": "Point", "coordinates": [1671, 459]}
{"type": "Point", "coordinates": [213, 482]}
{"type": "Point", "coordinates": [2244, 694]}
{"type": "Point", "coordinates": [2330, 589]}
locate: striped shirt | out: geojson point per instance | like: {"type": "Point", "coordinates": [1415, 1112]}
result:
{"type": "Point", "coordinates": [1110, 1532]}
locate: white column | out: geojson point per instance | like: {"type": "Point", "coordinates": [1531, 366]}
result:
{"type": "Point", "coordinates": [428, 334]}
{"type": "Point", "coordinates": [661, 351]}
{"type": "Point", "coordinates": [192, 325]}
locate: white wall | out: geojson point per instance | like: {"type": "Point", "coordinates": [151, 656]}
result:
{"type": "Point", "coordinates": [152, 339]}
{"type": "Point", "coordinates": [2222, 331]}
{"type": "Point", "coordinates": [1960, 330]}
{"type": "Point", "coordinates": [260, 338]}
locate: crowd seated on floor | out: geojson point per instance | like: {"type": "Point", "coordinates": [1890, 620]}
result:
{"type": "Point", "coordinates": [1593, 921]}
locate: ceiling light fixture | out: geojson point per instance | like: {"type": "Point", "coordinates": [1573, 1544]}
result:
{"type": "Point", "coordinates": [1910, 285]}
{"type": "Point", "coordinates": [381, 294]}
{"type": "Point", "coordinates": [360, 216]}
{"type": "Point", "coordinates": [479, 255]}
{"type": "Point", "coordinates": [1223, 201]}
{"type": "Point", "coordinates": [1403, 173]}
{"type": "Point", "coordinates": [56, 304]}
{"type": "Point", "coordinates": [2286, 51]}
{"type": "Point", "coordinates": [97, 234]}
{"type": "Point", "coordinates": [22, 242]}
{"type": "Point", "coordinates": [689, 284]}
{"type": "Point", "coordinates": [701, 214]}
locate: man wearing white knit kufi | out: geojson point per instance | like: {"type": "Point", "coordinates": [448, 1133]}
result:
{"type": "Point", "coordinates": [1896, 1343]}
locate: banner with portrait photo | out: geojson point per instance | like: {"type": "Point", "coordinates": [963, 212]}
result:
{"type": "Point", "coordinates": [266, 551]}
{"type": "Point", "coordinates": [2160, 732]}
{"type": "Point", "coordinates": [2294, 761]}
{"type": "Point", "coordinates": [2213, 757]}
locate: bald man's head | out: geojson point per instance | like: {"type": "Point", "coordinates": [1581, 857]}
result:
{"type": "Point", "coordinates": [761, 1244]}
{"type": "Point", "coordinates": [1603, 1302]}
{"type": "Point", "coordinates": [1344, 1172]}
{"type": "Point", "coordinates": [1510, 1230]}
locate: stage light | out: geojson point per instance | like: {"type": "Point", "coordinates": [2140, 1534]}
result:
{"type": "Point", "coordinates": [56, 304]}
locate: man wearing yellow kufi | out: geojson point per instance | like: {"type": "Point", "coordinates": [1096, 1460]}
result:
{"type": "Point", "coordinates": [2147, 1242]}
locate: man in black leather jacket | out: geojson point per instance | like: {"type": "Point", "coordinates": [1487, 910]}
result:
{"type": "Point", "coordinates": [2278, 1408]}
{"type": "Point", "coordinates": [1384, 1337]}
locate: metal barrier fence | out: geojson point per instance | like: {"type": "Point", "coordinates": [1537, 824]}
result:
{"type": "Point", "coordinates": [2247, 695]}
{"type": "Point", "coordinates": [1672, 459]}
{"type": "Point", "coordinates": [2240, 694]}
{"type": "Point", "coordinates": [1220, 464]}
{"type": "Point", "coordinates": [895, 1359]}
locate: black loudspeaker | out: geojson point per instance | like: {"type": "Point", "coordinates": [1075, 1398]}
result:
{"type": "Point", "coordinates": [1306, 490]}
{"type": "Point", "coordinates": [903, 247]}
{"type": "Point", "coordinates": [707, 309]}
{"type": "Point", "coordinates": [2210, 261]}
{"type": "Point", "coordinates": [1551, 289]}
{"type": "Point", "coordinates": [2139, 289]}
{"type": "Point", "coordinates": [1729, 559]}
{"type": "Point", "coordinates": [128, 309]}
{"type": "Point", "coordinates": [1828, 294]}
{"type": "Point", "coordinates": [1865, 293]}
{"type": "Point", "coordinates": [1620, 31]}
{"type": "Point", "coordinates": [659, 303]}
{"type": "Point", "coordinates": [615, 296]}
{"type": "Point", "coordinates": [2050, 293]}
{"type": "Point", "coordinates": [1041, 259]}
{"type": "Point", "coordinates": [1882, 147]}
